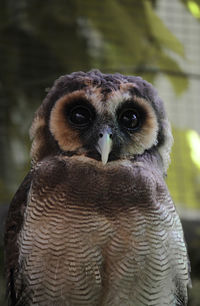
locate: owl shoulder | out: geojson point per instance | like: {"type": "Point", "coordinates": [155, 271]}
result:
{"type": "Point", "coordinates": [50, 170]}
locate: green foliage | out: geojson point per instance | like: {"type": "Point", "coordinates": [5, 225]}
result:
{"type": "Point", "coordinates": [131, 34]}
{"type": "Point", "coordinates": [178, 80]}
{"type": "Point", "coordinates": [161, 33]}
{"type": "Point", "coordinates": [40, 41]}
{"type": "Point", "coordinates": [183, 175]}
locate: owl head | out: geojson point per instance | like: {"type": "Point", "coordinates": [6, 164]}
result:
{"type": "Point", "coordinates": [103, 117]}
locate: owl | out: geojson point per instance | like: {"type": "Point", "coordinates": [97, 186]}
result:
{"type": "Point", "coordinates": [93, 222]}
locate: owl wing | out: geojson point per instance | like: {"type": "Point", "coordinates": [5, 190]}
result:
{"type": "Point", "coordinates": [177, 253]}
{"type": "Point", "coordinates": [12, 228]}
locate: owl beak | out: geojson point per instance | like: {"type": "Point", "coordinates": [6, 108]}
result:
{"type": "Point", "coordinates": [104, 145]}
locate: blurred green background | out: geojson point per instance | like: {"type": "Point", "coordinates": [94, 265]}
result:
{"type": "Point", "coordinates": [156, 39]}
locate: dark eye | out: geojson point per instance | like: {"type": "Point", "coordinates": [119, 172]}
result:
{"type": "Point", "coordinates": [129, 119]}
{"type": "Point", "coordinates": [80, 116]}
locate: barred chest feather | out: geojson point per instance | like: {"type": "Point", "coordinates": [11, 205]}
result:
{"type": "Point", "coordinates": [104, 236]}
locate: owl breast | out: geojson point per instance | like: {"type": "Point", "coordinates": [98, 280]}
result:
{"type": "Point", "coordinates": [98, 236]}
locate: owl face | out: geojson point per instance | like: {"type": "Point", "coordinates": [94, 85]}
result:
{"type": "Point", "coordinates": [101, 117]}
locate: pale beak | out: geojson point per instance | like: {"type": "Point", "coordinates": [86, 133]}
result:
{"type": "Point", "coordinates": [104, 145]}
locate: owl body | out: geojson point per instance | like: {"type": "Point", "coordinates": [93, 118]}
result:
{"type": "Point", "coordinates": [93, 222]}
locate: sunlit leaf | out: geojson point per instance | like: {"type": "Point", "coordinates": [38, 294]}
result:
{"type": "Point", "coordinates": [194, 143]}
{"type": "Point", "coordinates": [183, 175]}
{"type": "Point", "coordinates": [193, 7]}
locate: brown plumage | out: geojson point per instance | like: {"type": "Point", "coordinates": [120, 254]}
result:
{"type": "Point", "coordinates": [93, 222]}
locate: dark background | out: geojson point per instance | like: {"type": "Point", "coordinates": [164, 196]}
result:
{"type": "Point", "coordinates": [156, 39]}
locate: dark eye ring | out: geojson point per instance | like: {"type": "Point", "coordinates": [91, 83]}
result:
{"type": "Point", "coordinates": [129, 119]}
{"type": "Point", "coordinates": [80, 116]}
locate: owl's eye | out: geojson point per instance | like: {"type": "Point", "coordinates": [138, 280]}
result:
{"type": "Point", "coordinates": [129, 119]}
{"type": "Point", "coordinates": [80, 116]}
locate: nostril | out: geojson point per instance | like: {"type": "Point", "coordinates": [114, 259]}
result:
{"type": "Point", "coordinates": [110, 135]}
